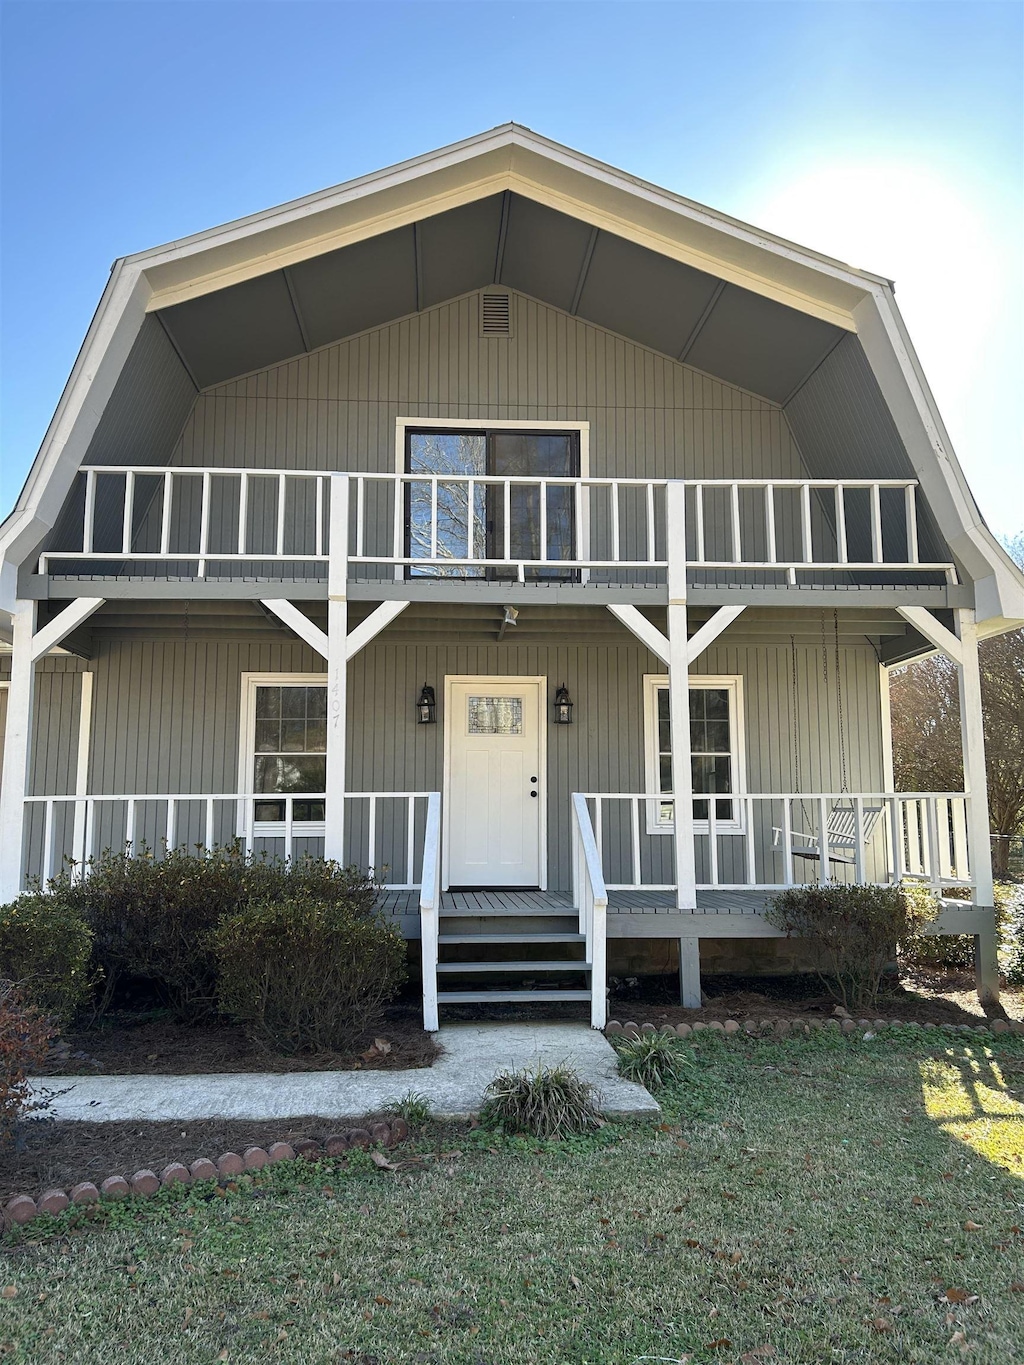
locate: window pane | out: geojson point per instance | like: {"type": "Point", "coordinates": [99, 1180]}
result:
{"type": "Point", "coordinates": [293, 701]}
{"type": "Point", "coordinates": [316, 736]}
{"type": "Point", "coordinates": [268, 736]}
{"type": "Point", "coordinates": [291, 774]}
{"type": "Point", "coordinates": [446, 452]}
{"type": "Point", "coordinates": [711, 774]}
{"type": "Point", "coordinates": [663, 713]}
{"type": "Point", "coordinates": [316, 701]}
{"type": "Point", "coordinates": [665, 773]}
{"type": "Point", "coordinates": [716, 703]}
{"type": "Point", "coordinates": [716, 737]}
{"type": "Point", "coordinates": [293, 736]}
{"type": "Point", "coordinates": [268, 702]}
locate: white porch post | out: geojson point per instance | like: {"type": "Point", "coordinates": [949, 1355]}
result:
{"type": "Point", "coordinates": [976, 784]}
{"type": "Point", "coordinates": [78, 849]}
{"type": "Point", "coordinates": [337, 669]}
{"type": "Point", "coordinates": [679, 695]}
{"type": "Point", "coordinates": [17, 753]}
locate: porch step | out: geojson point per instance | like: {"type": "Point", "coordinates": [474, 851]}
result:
{"type": "Point", "coordinates": [524, 967]}
{"type": "Point", "coordinates": [507, 997]}
{"type": "Point", "coordinates": [524, 937]}
{"type": "Point", "coordinates": [506, 911]}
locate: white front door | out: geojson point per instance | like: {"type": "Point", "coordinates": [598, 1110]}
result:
{"type": "Point", "coordinates": [495, 798]}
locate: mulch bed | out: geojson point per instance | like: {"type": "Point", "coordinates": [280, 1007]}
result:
{"type": "Point", "coordinates": [653, 1000]}
{"type": "Point", "coordinates": [58, 1155]}
{"type": "Point", "coordinates": [134, 1045]}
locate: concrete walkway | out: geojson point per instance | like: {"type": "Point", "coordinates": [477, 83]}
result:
{"type": "Point", "coordinates": [454, 1086]}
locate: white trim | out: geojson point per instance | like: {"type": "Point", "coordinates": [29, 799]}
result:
{"type": "Point", "coordinates": [306, 829]}
{"type": "Point", "coordinates": [888, 767]}
{"type": "Point", "coordinates": [540, 681]}
{"type": "Point", "coordinates": [733, 682]}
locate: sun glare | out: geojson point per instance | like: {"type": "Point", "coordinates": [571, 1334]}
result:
{"type": "Point", "coordinates": [969, 1100]}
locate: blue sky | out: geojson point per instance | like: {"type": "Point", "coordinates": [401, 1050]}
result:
{"type": "Point", "coordinates": [887, 134]}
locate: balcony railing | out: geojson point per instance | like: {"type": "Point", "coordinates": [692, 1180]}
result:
{"type": "Point", "coordinates": [217, 523]}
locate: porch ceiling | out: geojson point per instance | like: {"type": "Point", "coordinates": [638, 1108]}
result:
{"type": "Point", "coordinates": [507, 240]}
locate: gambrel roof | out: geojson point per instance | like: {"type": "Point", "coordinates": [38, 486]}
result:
{"type": "Point", "coordinates": [510, 208]}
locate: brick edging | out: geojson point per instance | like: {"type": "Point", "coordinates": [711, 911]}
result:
{"type": "Point", "coordinates": [781, 1027]}
{"type": "Point", "coordinates": [22, 1208]}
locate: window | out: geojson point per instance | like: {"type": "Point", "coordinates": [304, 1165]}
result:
{"type": "Point", "coordinates": [284, 748]}
{"type": "Point", "coordinates": [716, 757]}
{"type": "Point", "coordinates": [524, 523]}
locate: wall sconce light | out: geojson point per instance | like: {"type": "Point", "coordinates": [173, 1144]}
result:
{"type": "Point", "coordinates": [426, 706]}
{"type": "Point", "coordinates": [563, 706]}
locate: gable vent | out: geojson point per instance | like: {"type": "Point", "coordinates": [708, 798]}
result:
{"type": "Point", "coordinates": [495, 315]}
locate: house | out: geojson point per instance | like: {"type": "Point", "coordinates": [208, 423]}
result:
{"type": "Point", "coordinates": [530, 534]}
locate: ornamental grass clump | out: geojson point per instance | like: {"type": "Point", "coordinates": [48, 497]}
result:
{"type": "Point", "coordinates": [547, 1102]}
{"type": "Point", "coordinates": [307, 976]}
{"type": "Point", "coordinates": [653, 1060]}
{"type": "Point", "coordinates": [857, 930]}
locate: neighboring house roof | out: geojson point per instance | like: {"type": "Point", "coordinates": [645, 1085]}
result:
{"type": "Point", "coordinates": [785, 322]}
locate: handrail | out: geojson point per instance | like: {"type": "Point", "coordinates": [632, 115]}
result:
{"type": "Point", "coordinates": [430, 907]}
{"type": "Point", "coordinates": [890, 836]}
{"type": "Point", "coordinates": [600, 523]}
{"type": "Point", "coordinates": [590, 897]}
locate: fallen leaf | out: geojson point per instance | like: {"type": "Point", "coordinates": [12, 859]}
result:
{"type": "Point", "coordinates": [382, 1045]}
{"type": "Point", "coordinates": [954, 1295]}
{"type": "Point", "coordinates": [379, 1159]}
{"type": "Point", "coordinates": [384, 1303]}
{"type": "Point", "coordinates": [10, 1291]}
{"type": "Point", "coordinates": [720, 1345]}
{"type": "Point", "coordinates": [881, 1324]}
{"type": "Point", "coordinates": [917, 1201]}
{"type": "Point", "coordinates": [972, 1227]}
{"type": "Point", "coordinates": [575, 1282]}
{"type": "Point", "coordinates": [1017, 1287]}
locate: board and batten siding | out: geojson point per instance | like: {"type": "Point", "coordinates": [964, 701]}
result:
{"type": "Point", "coordinates": [335, 408]}
{"type": "Point", "coordinates": [167, 719]}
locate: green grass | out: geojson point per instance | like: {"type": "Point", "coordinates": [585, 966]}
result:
{"type": "Point", "coordinates": [807, 1195]}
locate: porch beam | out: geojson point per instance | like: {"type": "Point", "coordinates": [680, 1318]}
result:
{"type": "Point", "coordinates": [972, 737]}
{"type": "Point", "coordinates": [709, 632]}
{"type": "Point", "coordinates": [63, 624]}
{"type": "Point", "coordinates": [372, 626]}
{"type": "Point", "coordinates": [934, 631]}
{"type": "Point", "coordinates": [14, 785]}
{"type": "Point", "coordinates": [337, 669]}
{"type": "Point", "coordinates": [635, 621]}
{"type": "Point", "coordinates": [296, 620]}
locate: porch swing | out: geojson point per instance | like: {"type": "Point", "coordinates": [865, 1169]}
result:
{"type": "Point", "coordinates": [841, 822]}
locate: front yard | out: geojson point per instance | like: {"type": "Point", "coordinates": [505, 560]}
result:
{"type": "Point", "coordinates": [815, 1200]}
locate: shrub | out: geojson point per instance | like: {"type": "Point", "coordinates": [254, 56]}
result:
{"type": "Point", "coordinates": [856, 928]}
{"type": "Point", "coordinates": [653, 1060]}
{"type": "Point", "coordinates": [45, 946]}
{"type": "Point", "coordinates": [24, 1043]}
{"type": "Point", "coordinates": [307, 975]}
{"type": "Point", "coordinates": [549, 1102]}
{"type": "Point", "coordinates": [955, 952]}
{"type": "Point", "coordinates": [154, 917]}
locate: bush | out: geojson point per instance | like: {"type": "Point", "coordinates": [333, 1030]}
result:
{"type": "Point", "coordinates": [856, 928]}
{"type": "Point", "coordinates": [306, 975]}
{"type": "Point", "coordinates": [955, 952]}
{"type": "Point", "coordinates": [549, 1102]}
{"type": "Point", "coordinates": [653, 1060]}
{"type": "Point", "coordinates": [154, 918]}
{"type": "Point", "coordinates": [24, 1044]}
{"type": "Point", "coordinates": [45, 946]}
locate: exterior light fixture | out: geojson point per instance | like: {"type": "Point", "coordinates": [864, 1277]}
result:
{"type": "Point", "coordinates": [563, 706]}
{"type": "Point", "coordinates": [426, 706]}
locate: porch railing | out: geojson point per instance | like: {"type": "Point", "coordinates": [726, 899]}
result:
{"type": "Point", "coordinates": [774, 840]}
{"type": "Point", "coordinates": [590, 897]}
{"type": "Point", "coordinates": [204, 522]}
{"type": "Point", "coordinates": [385, 832]}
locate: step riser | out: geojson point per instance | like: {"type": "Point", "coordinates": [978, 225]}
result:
{"type": "Point", "coordinates": [509, 924]}
{"type": "Point", "coordinates": [510, 968]}
{"type": "Point", "coordinates": [499, 997]}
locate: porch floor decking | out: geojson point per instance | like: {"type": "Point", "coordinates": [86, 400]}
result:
{"type": "Point", "coordinates": [513, 902]}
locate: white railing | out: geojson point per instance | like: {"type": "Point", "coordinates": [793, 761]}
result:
{"type": "Point", "coordinates": [766, 840]}
{"type": "Point", "coordinates": [430, 909]}
{"type": "Point", "coordinates": [382, 828]}
{"type": "Point", "coordinates": [194, 516]}
{"type": "Point", "coordinates": [590, 897]}
{"type": "Point", "coordinates": [460, 525]}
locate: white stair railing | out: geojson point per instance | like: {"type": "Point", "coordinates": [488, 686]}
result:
{"type": "Point", "coordinates": [590, 898]}
{"type": "Point", "coordinates": [430, 907]}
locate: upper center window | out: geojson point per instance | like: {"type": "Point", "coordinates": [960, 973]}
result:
{"type": "Point", "coordinates": [487, 503]}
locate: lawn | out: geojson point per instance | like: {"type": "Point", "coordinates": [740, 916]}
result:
{"type": "Point", "coordinates": [817, 1200]}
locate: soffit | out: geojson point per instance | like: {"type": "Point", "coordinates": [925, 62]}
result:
{"type": "Point", "coordinates": [502, 239]}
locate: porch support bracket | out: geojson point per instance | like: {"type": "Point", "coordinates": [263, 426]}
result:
{"type": "Point", "coordinates": [372, 626]}
{"type": "Point", "coordinates": [635, 621]}
{"type": "Point", "coordinates": [28, 647]}
{"type": "Point", "coordinates": [709, 632]}
{"type": "Point", "coordinates": [296, 620]}
{"type": "Point", "coordinates": [934, 632]}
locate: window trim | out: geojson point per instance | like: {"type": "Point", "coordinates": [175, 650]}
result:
{"type": "Point", "coordinates": [269, 829]}
{"type": "Point", "coordinates": [733, 684]}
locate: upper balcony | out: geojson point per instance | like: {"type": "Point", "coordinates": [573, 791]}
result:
{"type": "Point", "coordinates": [217, 526]}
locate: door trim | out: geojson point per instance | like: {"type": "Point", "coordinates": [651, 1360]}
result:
{"type": "Point", "coordinates": [540, 681]}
